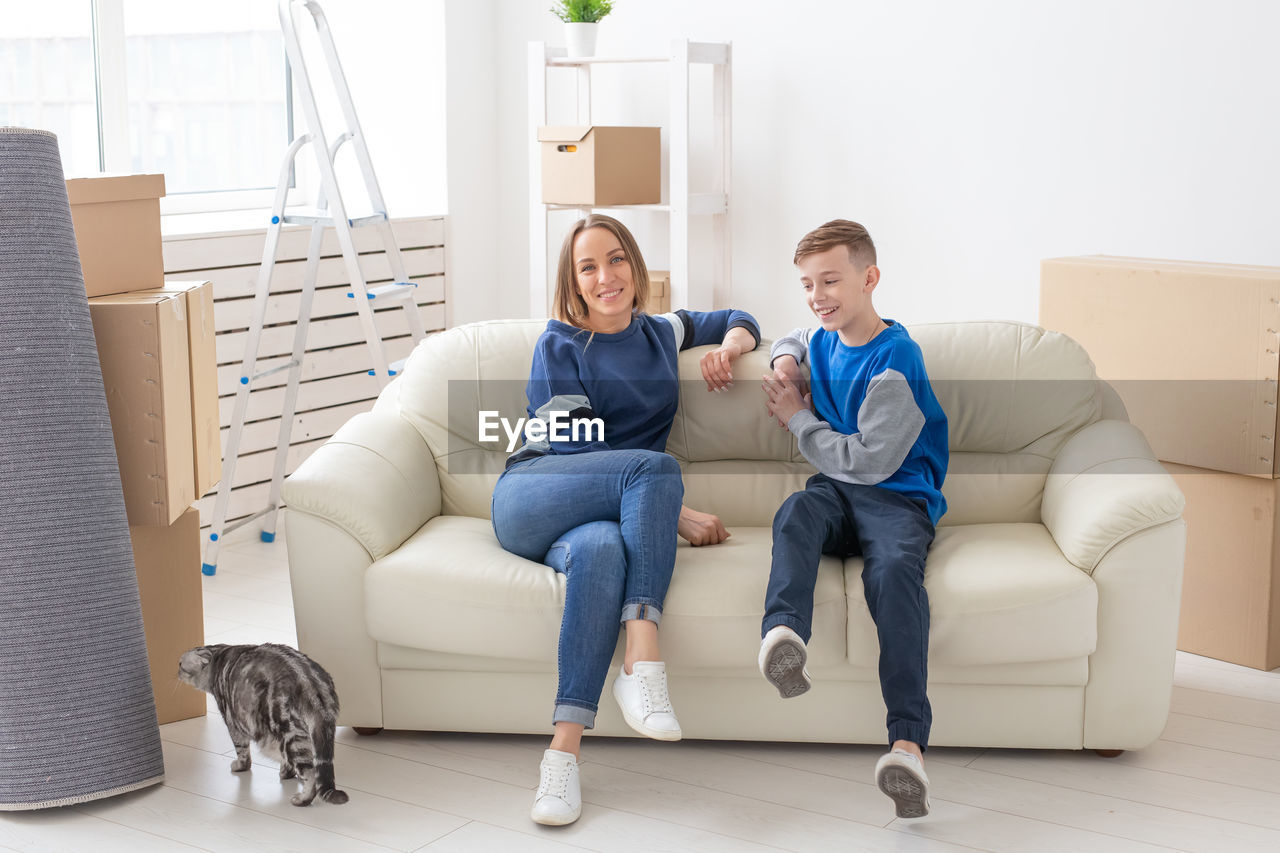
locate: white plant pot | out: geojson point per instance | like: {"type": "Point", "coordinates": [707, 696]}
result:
{"type": "Point", "coordinates": [580, 39]}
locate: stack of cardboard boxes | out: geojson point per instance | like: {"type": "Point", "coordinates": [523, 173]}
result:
{"type": "Point", "coordinates": [159, 368]}
{"type": "Point", "coordinates": [605, 165]}
{"type": "Point", "coordinates": [1192, 350]}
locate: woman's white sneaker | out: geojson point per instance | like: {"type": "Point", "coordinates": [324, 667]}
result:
{"type": "Point", "coordinates": [782, 659]}
{"type": "Point", "coordinates": [645, 703]}
{"type": "Point", "coordinates": [901, 776]}
{"type": "Point", "coordinates": [559, 797]}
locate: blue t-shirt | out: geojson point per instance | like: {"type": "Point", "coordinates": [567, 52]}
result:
{"type": "Point", "coordinates": [883, 424]}
{"type": "Point", "coordinates": [628, 379]}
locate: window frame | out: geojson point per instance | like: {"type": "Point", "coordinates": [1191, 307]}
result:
{"type": "Point", "coordinates": [112, 93]}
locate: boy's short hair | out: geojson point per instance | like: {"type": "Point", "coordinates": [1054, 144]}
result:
{"type": "Point", "coordinates": [837, 232]}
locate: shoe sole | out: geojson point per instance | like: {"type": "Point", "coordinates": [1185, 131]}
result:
{"type": "Point", "coordinates": [556, 819]}
{"type": "Point", "coordinates": [904, 788]}
{"type": "Point", "coordinates": [639, 726]}
{"type": "Point", "coordinates": [784, 669]}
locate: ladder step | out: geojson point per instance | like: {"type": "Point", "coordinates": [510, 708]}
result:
{"type": "Point", "coordinates": [394, 368]}
{"type": "Point", "coordinates": [311, 216]}
{"type": "Point", "coordinates": [399, 290]}
{"type": "Point", "coordinates": [245, 380]}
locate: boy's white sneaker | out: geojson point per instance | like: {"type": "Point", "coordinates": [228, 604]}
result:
{"type": "Point", "coordinates": [645, 703]}
{"type": "Point", "coordinates": [901, 775]}
{"type": "Point", "coordinates": [782, 661]}
{"type": "Point", "coordinates": [559, 797]}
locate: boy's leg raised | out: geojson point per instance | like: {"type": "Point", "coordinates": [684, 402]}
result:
{"type": "Point", "coordinates": [807, 525]}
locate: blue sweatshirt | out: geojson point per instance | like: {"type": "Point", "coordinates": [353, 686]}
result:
{"type": "Point", "coordinates": [878, 421]}
{"type": "Point", "coordinates": [628, 379]}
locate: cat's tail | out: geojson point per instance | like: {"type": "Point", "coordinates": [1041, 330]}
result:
{"type": "Point", "coordinates": [322, 739]}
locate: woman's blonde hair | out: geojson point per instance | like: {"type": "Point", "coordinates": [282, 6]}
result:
{"type": "Point", "coordinates": [569, 305]}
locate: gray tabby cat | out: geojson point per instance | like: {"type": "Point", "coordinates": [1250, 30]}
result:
{"type": "Point", "coordinates": [279, 697]}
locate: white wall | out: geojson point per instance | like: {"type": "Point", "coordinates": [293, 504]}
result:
{"type": "Point", "coordinates": [476, 245]}
{"type": "Point", "coordinates": [393, 56]}
{"type": "Point", "coordinates": [972, 139]}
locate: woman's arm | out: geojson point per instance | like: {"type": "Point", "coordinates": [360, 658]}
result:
{"type": "Point", "coordinates": [717, 365]}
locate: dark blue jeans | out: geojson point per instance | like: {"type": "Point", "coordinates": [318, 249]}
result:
{"type": "Point", "coordinates": [607, 521]}
{"type": "Point", "coordinates": [892, 534]}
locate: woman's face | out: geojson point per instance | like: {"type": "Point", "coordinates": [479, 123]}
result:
{"type": "Point", "coordinates": [603, 275]}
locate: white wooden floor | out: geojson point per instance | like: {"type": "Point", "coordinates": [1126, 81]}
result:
{"type": "Point", "coordinates": [1211, 783]}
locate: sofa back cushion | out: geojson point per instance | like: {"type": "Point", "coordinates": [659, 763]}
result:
{"type": "Point", "coordinates": [1013, 394]}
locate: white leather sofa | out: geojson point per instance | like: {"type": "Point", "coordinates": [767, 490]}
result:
{"type": "Point", "coordinates": [1053, 582]}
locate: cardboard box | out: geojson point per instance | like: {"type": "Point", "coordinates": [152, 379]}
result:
{"type": "Point", "coordinates": [1231, 583]}
{"type": "Point", "coordinates": [601, 166]}
{"type": "Point", "coordinates": [117, 223]}
{"type": "Point", "coordinates": [167, 560]}
{"type": "Point", "coordinates": [203, 357]}
{"type": "Point", "coordinates": [659, 292]}
{"type": "Point", "coordinates": [1190, 347]}
{"type": "Point", "coordinates": [142, 346]}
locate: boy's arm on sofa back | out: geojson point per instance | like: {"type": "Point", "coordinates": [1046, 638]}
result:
{"type": "Point", "coordinates": [375, 478]}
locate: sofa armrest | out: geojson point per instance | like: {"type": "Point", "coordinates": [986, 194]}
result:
{"type": "Point", "coordinates": [1104, 486]}
{"type": "Point", "coordinates": [375, 479]}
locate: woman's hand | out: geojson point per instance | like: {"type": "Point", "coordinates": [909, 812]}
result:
{"type": "Point", "coordinates": [700, 528]}
{"type": "Point", "coordinates": [717, 365]}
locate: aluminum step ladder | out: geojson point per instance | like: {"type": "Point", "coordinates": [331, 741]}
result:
{"type": "Point", "coordinates": [330, 211]}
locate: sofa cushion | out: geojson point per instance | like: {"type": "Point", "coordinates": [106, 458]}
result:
{"type": "Point", "coordinates": [998, 593]}
{"type": "Point", "coordinates": [1013, 394]}
{"type": "Point", "coordinates": [452, 588]}
{"type": "Point", "coordinates": [716, 602]}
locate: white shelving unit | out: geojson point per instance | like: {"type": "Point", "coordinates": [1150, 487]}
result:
{"type": "Point", "coordinates": [680, 204]}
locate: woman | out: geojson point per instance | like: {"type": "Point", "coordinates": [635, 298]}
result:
{"type": "Point", "coordinates": [616, 496]}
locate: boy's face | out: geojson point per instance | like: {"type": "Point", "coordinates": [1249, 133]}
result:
{"type": "Point", "coordinates": [838, 289]}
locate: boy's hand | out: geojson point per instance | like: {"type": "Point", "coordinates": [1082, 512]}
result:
{"type": "Point", "coordinates": [786, 367]}
{"type": "Point", "coordinates": [700, 528]}
{"type": "Point", "coordinates": [717, 366]}
{"type": "Point", "coordinates": [784, 398]}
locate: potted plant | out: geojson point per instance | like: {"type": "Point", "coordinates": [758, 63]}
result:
{"type": "Point", "coordinates": [580, 18]}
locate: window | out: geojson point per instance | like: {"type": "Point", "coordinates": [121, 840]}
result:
{"type": "Point", "coordinates": [206, 94]}
{"type": "Point", "coordinates": [196, 91]}
{"type": "Point", "coordinates": [200, 92]}
{"type": "Point", "coordinates": [47, 78]}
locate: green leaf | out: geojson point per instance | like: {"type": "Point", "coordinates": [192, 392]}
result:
{"type": "Point", "coordinates": [581, 11]}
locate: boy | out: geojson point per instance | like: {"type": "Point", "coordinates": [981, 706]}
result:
{"type": "Point", "coordinates": [878, 438]}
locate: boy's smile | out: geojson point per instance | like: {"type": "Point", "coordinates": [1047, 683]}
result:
{"type": "Point", "coordinates": [838, 289]}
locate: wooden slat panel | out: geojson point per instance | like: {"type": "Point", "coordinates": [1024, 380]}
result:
{"type": "Point", "coordinates": [334, 385]}
{"type": "Point", "coordinates": [318, 364]}
{"type": "Point", "coordinates": [245, 248]}
{"type": "Point", "coordinates": [244, 501]}
{"type": "Point", "coordinates": [253, 468]}
{"type": "Point", "coordinates": [321, 423]}
{"type": "Point", "coordinates": [267, 402]}
{"type": "Point", "coordinates": [331, 332]}
{"type": "Point", "coordinates": [237, 314]}
{"type": "Point", "coordinates": [241, 282]}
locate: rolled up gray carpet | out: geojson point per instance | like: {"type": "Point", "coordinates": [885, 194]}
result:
{"type": "Point", "coordinates": [77, 717]}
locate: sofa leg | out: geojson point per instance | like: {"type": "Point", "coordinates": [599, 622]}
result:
{"type": "Point", "coordinates": [367, 731]}
{"type": "Point", "coordinates": [1104, 753]}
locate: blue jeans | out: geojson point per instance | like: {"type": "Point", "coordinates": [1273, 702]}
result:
{"type": "Point", "coordinates": [892, 534]}
{"type": "Point", "coordinates": [607, 521]}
